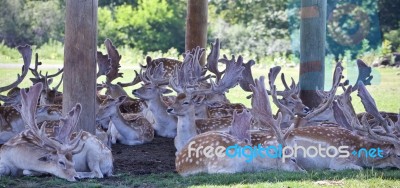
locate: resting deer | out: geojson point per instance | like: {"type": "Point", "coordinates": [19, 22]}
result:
{"type": "Point", "coordinates": [193, 157]}
{"type": "Point", "coordinates": [361, 136]}
{"type": "Point", "coordinates": [152, 91]}
{"type": "Point", "coordinates": [132, 129]}
{"type": "Point", "coordinates": [185, 105]}
{"type": "Point", "coordinates": [95, 159]}
{"type": "Point", "coordinates": [12, 123]}
{"type": "Point", "coordinates": [32, 150]}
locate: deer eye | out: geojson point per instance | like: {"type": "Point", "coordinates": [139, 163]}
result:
{"type": "Point", "coordinates": [61, 163]}
{"type": "Point", "coordinates": [186, 102]}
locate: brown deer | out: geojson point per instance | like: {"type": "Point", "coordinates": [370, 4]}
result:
{"type": "Point", "coordinates": [32, 150]}
{"type": "Point", "coordinates": [132, 129]}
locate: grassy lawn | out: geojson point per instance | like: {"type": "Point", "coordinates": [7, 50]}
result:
{"type": "Point", "coordinates": [366, 178]}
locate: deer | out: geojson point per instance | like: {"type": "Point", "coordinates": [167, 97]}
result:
{"type": "Point", "coordinates": [94, 159]}
{"type": "Point", "coordinates": [48, 96]}
{"type": "Point", "coordinates": [190, 160]}
{"type": "Point", "coordinates": [186, 83]}
{"type": "Point", "coordinates": [152, 91]}
{"type": "Point", "coordinates": [32, 150]}
{"type": "Point", "coordinates": [11, 121]}
{"type": "Point", "coordinates": [309, 119]}
{"type": "Point", "coordinates": [360, 136]}
{"type": "Point", "coordinates": [132, 129]}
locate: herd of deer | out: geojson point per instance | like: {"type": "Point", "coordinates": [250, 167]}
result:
{"type": "Point", "coordinates": [37, 139]}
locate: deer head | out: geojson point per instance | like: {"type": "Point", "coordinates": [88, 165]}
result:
{"type": "Point", "coordinates": [55, 158]}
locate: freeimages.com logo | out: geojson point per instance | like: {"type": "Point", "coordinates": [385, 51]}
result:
{"type": "Point", "coordinates": [283, 153]}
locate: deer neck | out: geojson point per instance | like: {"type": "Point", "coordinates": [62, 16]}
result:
{"type": "Point", "coordinates": [159, 109]}
{"type": "Point", "coordinates": [186, 129]}
{"type": "Point", "coordinates": [121, 124]}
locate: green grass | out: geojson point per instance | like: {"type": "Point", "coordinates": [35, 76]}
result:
{"type": "Point", "coordinates": [366, 178]}
{"type": "Point", "coordinates": [385, 88]}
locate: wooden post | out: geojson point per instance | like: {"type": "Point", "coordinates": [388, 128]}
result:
{"type": "Point", "coordinates": [196, 26]}
{"type": "Point", "coordinates": [80, 60]}
{"type": "Point", "coordinates": [312, 50]}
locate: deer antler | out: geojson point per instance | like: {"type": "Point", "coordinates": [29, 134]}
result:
{"type": "Point", "coordinates": [28, 110]}
{"type": "Point", "coordinates": [212, 59]}
{"type": "Point", "coordinates": [58, 85]}
{"type": "Point", "coordinates": [247, 76]}
{"type": "Point", "coordinates": [38, 74]}
{"type": "Point", "coordinates": [337, 75]}
{"type": "Point", "coordinates": [104, 64]}
{"type": "Point", "coordinates": [232, 75]}
{"type": "Point", "coordinates": [364, 74]}
{"type": "Point", "coordinates": [68, 125]}
{"type": "Point", "coordinates": [115, 58]}
{"type": "Point", "coordinates": [26, 53]}
{"type": "Point", "coordinates": [273, 73]}
{"type": "Point", "coordinates": [240, 125]}
{"type": "Point", "coordinates": [154, 75]}
{"type": "Point", "coordinates": [135, 81]}
{"type": "Point", "coordinates": [261, 109]}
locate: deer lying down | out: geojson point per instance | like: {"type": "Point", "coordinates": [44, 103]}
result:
{"type": "Point", "coordinates": [94, 160]}
{"type": "Point", "coordinates": [192, 158]}
{"type": "Point", "coordinates": [32, 150]}
{"type": "Point", "coordinates": [362, 135]}
{"type": "Point", "coordinates": [132, 129]}
{"type": "Point", "coordinates": [11, 122]}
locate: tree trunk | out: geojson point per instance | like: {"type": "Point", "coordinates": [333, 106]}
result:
{"type": "Point", "coordinates": [80, 60]}
{"type": "Point", "coordinates": [196, 25]}
{"type": "Point", "coordinates": [312, 50]}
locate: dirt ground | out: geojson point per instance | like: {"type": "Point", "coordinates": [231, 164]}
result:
{"type": "Point", "coordinates": [157, 156]}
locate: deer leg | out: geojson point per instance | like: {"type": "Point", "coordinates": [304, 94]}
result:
{"type": "Point", "coordinates": [4, 170]}
{"type": "Point", "coordinates": [343, 164]}
{"type": "Point", "coordinates": [31, 173]}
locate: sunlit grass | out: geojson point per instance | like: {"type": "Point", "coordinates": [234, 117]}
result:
{"type": "Point", "coordinates": [348, 178]}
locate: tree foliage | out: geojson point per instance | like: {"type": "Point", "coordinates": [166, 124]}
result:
{"type": "Point", "coordinates": [151, 25]}
{"type": "Point", "coordinates": [31, 22]}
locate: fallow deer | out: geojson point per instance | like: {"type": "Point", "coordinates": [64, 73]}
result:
{"type": "Point", "coordinates": [152, 91]}
{"type": "Point", "coordinates": [32, 150]}
{"type": "Point", "coordinates": [132, 129]}
{"type": "Point", "coordinates": [95, 159]}
{"type": "Point", "coordinates": [316, 136]}
{"type": "Point", "coordinates": [187, 83]}
{"type": "Point", "coordinates": [11, 121]}
{"type": "Point", "coordinates": [213, 159]}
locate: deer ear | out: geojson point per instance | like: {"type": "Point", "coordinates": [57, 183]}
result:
{"type": "Point", "coordinates": [198, 99]}
{"type": "Point", "coordinates": [165, 90]}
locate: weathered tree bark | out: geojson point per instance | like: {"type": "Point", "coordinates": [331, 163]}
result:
{"type": "Point", "coordinates": [196, 25]}
{"type": "Point", "coordinates": [312, 50]}
{"type": "Point", "coordinates": [80, 60]}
